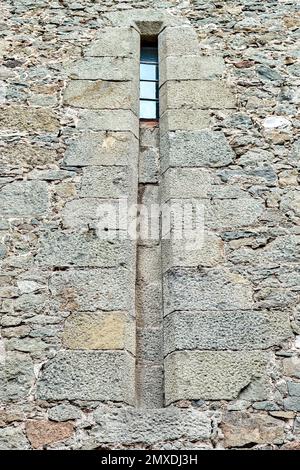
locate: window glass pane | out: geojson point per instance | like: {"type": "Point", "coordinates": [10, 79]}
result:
{"type": "Point", "coordinates": [148, 72]}
{"type": "Point", "coordinates": [149, 81]}
{"type": "Point", "coordinates": [148, 109]}
{"type": "Point", "coordinates": [149, 54]}
{"type": "Point", "coordinates": [148, 90]}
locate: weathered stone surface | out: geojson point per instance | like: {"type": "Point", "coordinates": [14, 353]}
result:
{"type": "Point", "coordinates": [148, 165]}
{"type": "Point", "coordinates": [81, 375]}
{"type": "Point", "coordinates": [31, 301]}
{"type": "Point", "coordinates": [16, 376]}
{"type": "Point", "coordinates": [16, 331]}
{"type": "Point", "coordinates": [27, 344]}
{"type": "Point", "coordinates": [149, 333]}
{"type": "Point", "coordinates": [148, 220]}
{"type": "Point", "coordinates": [207, 251]}
{"type": "Point", "coordinates": [191, 67]}
{"type": "Point", "coordinates": [195, 149]}
{"type": "Point", "coordinates": [250, 197]}
{"type": "Point", "coordinates": [3, 251]}
{"type": "Point", "coordinates": [64, 412]}
{"type": "Point", "coordinates": [150, 426]}
{"type": "Point", "coordinates": [294, 388]}
{"type": "Point", "coordinates": [3, 47]}
{"type": "Point", "coordinates": [149, 288]}
{"type": "Point", "coordinates": [296, 424]}
{"type": "Point", "coordinates": [12, 438]}
{"type": "Point", "coordinates": [195, 375]}
{"type": "Point", "coordinates": [28, 285]}
{"type": "Point", "coordinates": [101, 148]}
{"type": "Point", "coordinates": [92, 290]}
{"type": "Point", "coordinates": [294, 153]}
{"type": "Point", "coordinates": [288, 178]}
{"type": "Point", "coordinates": [90, 213]}
{"type": "Point", "coordinates": [267, 73]}
{"type": "Point", "coordinates": [103, 68]}
{"type": "Point", "coordinates": [99, 94]}
{"type": "Point", "coordinates": [291, 366]}
{"type": "Point", "coordinates": [50, 175]}
{"type": "Point", "coordinates": [178, 41]}
{"type": "Point", "coordinates": [149, 135]}
{"type": "Point", "coordinates": [149, 21]}
{"type": "Point", "coordinates": [283, 414]}
{"type": "Point", "coordinates": [108, 181]}
{"type": "Point", "coordinates": [191, 289]}
{"type": "Point", "coordinates": [262, 173]}
{"type": "Point", "coordinates": [275, 122]}
{"type": "Point", "coordinates": [115, 42]}
{"type": "Point", "coordinates": [108, 120]}
{"type": "Point", "coordinates": [292, 403]}
{"type": "Point", "coordinates": [233, 213]}
{"type": "Point", "coordinates": [109, 330]}
{"type": "Point", "coordinates": [69, 249]}
{"type": "Point", "coordinates": [185, 183]}
{"type": "Point", "coordinates": [21, 119]}
{"type": "Point", "coordinates": [291, 202]}
{"type": "Point", "coordinates": [149, 379]}
{"type": "Point", "coordinates": [266, 405]}
{"type": "Point", "coordinates": [184, 120]}
{"type": "Point", "coordinates": [281, 250]}
{"type": "Point", "coordinates": [150, 344]}
{"type": "Point", "coordinates": [294, 445]}
{"type": "Point", "coordinates": [225, 330]}
{"type": "Point", "coordinates": [241, 429]}
{"type": "Point", "coordinates": [41, 433]}
{"type": "Point", "coordinates": [24, 199]}
{"type": "Point", "coordinates": [204, 94]}
{"type": "Point", "coordinates": [149, 268]}
{"type": "Point", "coordinates": [223, 191]}
{"type": "Point", "coordinates": [26, 155]}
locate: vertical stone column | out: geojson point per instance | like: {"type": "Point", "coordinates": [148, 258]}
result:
{"type": "Point", "coordinates": [93, 280]}
{"type": "Point", "coordinates": [149, 280]}
{"type": "Point", "coordinates": [204, 298]}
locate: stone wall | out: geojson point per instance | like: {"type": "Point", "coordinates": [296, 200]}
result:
{"type": "Point", "coordinates": [119, 343]}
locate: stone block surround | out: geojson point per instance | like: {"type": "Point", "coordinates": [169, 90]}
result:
{"type": "Point", "coordinates": [118, 342]}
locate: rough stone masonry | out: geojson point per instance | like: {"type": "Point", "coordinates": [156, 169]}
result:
{"type": "Point", "coordinates": [133, 344]}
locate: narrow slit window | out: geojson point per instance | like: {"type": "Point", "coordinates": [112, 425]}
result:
{"type": "Point", "coordinates": [149, 92]}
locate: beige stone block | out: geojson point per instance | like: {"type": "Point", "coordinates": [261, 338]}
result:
{"type": "Point", "coordinates": [102, 148]}
{"type": "Point", "coordinates": [186, 183]}
{"type": "Point", "coordinates": [216, 375]}
{"type": "Point", "coordinates": [178, 41]}
{"type": "Point", "coordinates": [207, 249]}
{"type": "Point", "coordinates": [115, 42]}
{"type": "Point", "coordinates": [184, 120]}
{"type": "Point", "coordinates": [203, 94]}
{"type": "Point", "coordinates": [88, 375]}
{"type": "Point", "coordinates": [103, 68]}
{"type": "Point", "coordinates": [109, 330]}
{"type": "Point", "coordinates": [99, 94]}
{"type": "Point", "coordinates": [191, 67]}
{"type": "Point", "coordinates": [108, 120]}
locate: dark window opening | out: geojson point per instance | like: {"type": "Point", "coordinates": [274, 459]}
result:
{"type": "Point", "coordinates": [149, 105]}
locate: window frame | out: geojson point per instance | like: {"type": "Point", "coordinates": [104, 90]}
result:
{"type": "Point", "coordinates": [153, 44]}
